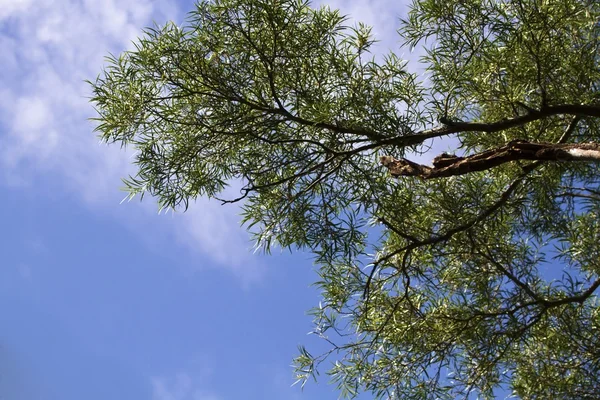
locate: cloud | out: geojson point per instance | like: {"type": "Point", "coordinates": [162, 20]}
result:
{"type": "Point", "coordinates": [49, 49]}
{"type": "Point", "coordinates": [52, 47]}
{"type": "Point", "coordinates": [381, 15]}
{"type": "Point", "coordinates": [180, 387]}
{"type": "Point", "coordinates": [209, 227]}
{"type": "Point", "coordinates": [11, 7]}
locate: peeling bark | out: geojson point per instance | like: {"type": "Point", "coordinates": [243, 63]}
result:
{"type": "Point", "coordinates": [446, 165]}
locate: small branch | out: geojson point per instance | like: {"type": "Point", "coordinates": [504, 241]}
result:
{"type": "Point", "coordinates": [578, 298]}
{"type": "Point", "coordinates": [512, 277]}
{"type": "Point", "coordinates": [578, 195]}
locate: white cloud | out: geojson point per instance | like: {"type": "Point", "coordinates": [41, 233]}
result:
{"type": "Point", "coordinates": [12, 7]}
{"type": "Point", "coordinates": [381, 15]}
{"type": "Point", "coordinates": [52, 47]}
{"type": "Point", "coordinates": [180, 387]}
{"type": "Point", "coordinates": [49, 48]}
{"type": "Point", "coordinates": [215, 230]}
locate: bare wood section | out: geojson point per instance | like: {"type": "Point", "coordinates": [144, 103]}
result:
{"type": "Point", "coordinates": [446, 165]}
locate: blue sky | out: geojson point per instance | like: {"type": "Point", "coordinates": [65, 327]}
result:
{"type": "Point", "coordinates": [102, 300]}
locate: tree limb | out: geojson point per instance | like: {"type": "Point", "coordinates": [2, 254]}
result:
{"type": "Point", "coordinates": [446, 165]}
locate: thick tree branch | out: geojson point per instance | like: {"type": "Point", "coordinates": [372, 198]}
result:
{"type": "Point", "coordinates": [446, 165]}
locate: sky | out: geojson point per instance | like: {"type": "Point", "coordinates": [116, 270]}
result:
{"type": "Point", "coordinates": [107, 300]}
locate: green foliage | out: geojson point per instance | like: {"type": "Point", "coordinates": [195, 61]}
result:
{"type": "Point", "coordinates": [430, 288]}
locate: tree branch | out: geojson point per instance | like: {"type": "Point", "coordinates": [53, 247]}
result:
{"type": "Point", "coordinates": [446, 165]}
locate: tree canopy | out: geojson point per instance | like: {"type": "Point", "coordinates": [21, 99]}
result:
{"type": "Point", "coordinates": [475, 273]}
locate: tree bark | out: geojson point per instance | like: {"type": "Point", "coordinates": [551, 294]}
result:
{"type": "Point", "coordinates": [446, 165]}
